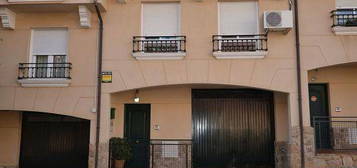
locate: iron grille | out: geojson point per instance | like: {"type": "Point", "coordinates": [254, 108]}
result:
{"type": "Point", "coordinates": [344, 17]}
{"type": "Point", "coordinates": [44, 70]}
{"type": "Point", "coordinates": [240, 43]}
{"type": "Point", "coordinates": [335, 133]}
{"type": "Point", "coordinates": [170, 153]}
{"type": "Point", "coordinates": [165, 153]}
{"type": "Point", "coordinates": [159, 44]}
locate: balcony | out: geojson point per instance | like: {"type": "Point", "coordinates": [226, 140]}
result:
{"type": "Point", "coordinates": [44, 74]}
{"type": "Point", "coordinates": [17, 3]}
{"type": "Point", "coordinates": [240, 46]}
{"type": "Point", "coordinates": [335, 133]}
{"type": "Point", "coordinates": [344, 21]}
{"type": "Point", "coordinates": [159, 47]}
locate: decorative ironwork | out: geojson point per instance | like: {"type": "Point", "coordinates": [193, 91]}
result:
{"type": "Point", "coordinates": [159, 44]}
{"type": "Point", "coordinates": [344, 17]}
{"type": "Point", "coordinates": [170, 153]}
{"type": "Point", "coordinates": [335, 133]}
{"type": "Point", "coordinates": [240, 43]}
{"type": "Point", "coordinates": [44, 70]}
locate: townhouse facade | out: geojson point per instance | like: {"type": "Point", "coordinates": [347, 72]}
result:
{"type": "Point", "coordinates": [190, 83]}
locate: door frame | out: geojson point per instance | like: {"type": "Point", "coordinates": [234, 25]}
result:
{"type": "Point", "coordinates": [126, 115]}
{"type": "Point", "coordinates": [327, 106]}
{"type": "Point", "coordinates": [126, 123]}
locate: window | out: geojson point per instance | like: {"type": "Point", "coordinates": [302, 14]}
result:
{"type": "Point", "coordinates": [161, 19]}
{"type": "Point", "coordinates": [160, 33]}
{"type": "Point", "coordinates": [346, 4]}
{"type": "Point", "coordinates": [161, 28]}
{"type": "Point", "coordinates": [49, 52]}
{"type": "Point", "coordinates": [238, 18]}
{"type": "Point", "coordinates": [238, 25]}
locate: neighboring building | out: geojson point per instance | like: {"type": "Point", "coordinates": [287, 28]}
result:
{"type": "Point", "coordinates": [195, 83]}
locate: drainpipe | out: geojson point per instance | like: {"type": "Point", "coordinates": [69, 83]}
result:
{"type": "Point", "coordinates": [99, 81]}
{"type": "Point", "coordinates": [298, 71]}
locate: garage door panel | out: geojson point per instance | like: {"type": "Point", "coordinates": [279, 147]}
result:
{"type": "Point", "coordinates": [54, 141]}
{"type": "Point", "coordinates": [232, 126]}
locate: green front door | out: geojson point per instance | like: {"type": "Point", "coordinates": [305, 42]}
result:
{"type": "Point", "coordinates": [137, 130]}
{"type": "Point", "coordinates": [319, 112]}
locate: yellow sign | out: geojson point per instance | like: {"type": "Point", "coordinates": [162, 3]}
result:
{"type": "Point", "coordinates": [107, 77]}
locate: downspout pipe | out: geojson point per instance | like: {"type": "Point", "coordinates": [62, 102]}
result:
{"type": "Point", "coordinates": [298, 74]}
{"type": "Point", "coordinates": [99, 82]}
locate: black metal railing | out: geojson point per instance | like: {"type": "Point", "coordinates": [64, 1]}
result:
{"type": "Point", "coordinates": [44, 70]}
{"type": "Point", "coordinates": [240, 43]}
{"type": "Point", "coordinates": [170, 153]}
{"type": "Point", "coordinates": [344, 17]}
{"type": "Point", "coordinates": [159, 44]}
{"type": "Point", "coordinates": [335, 133]}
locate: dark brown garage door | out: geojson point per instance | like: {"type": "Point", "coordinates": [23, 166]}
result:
{"type": "Point", "coordinates": [233, 128]}
{"type": "Point", "coordinates": [54, 141]}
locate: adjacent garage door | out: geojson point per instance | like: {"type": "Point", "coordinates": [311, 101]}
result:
{"type": "Point", "coordinates": [54, 141]}
{"type": "Point", "coordinates": [233, 128]}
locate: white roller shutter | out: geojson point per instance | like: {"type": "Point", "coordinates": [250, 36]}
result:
{"type": "Point", "coordinates": [161, 19]}
{"type": "Point", "coordinates": [238, 17]}
{"type": "Point", "coordinates": [346, 3]}
{"type": "Point", "coordinates": [49, 42]}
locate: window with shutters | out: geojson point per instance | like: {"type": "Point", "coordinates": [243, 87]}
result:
{"type": "Point", "coordinates": [238, 25]}
{"type": "Point", "coordinates": [345, 17]}
{"type": "Point", "coordinates": [346, 4]}
{"type": "Point", "coordinates": [48, 57]}
{"type": "Point", "coordinates": [160, 31]}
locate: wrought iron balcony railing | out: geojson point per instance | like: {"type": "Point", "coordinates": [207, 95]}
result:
{"type": "Point", "coordinates": [344, 17]}
{"type": "Point", "coordinates": [240, 43]}
{"type": "Point", "coordinates": [44, 70]}
{"type": "Point", "coordinates": [335, 133]}
{"type": "Point", "coordinates": [159, 44]}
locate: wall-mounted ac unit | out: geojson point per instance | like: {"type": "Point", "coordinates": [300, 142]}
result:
{"type": "Point", "coordinates": [278, 20]}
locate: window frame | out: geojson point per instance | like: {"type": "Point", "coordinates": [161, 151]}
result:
{"type": "Point", "coordinates": [219, 16]}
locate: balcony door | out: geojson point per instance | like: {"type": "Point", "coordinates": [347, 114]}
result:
{"type": "Point", "coordinates": [238, 26]}
{"type": "Point", "coordinates": [49, 53]}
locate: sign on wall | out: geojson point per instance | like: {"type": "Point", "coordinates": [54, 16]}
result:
{"type": "Point", "coordinates": [107, 77]}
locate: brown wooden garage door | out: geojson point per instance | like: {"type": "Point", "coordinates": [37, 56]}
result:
{"type": "Point", "coordinates": [233, 128]}
{"type": "Point", "coordinates": [54, 141]}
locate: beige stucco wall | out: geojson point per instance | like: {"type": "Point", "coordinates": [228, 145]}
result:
{"type": "Point", "coordinates": [76, 100]}
{"type": "Point", "coordinates": [171, 110]}
{"type": "Point", "coordinates": [320, 46]}
{"type": "Point", "coordinates": [199, 21]}
{"type": "Point", "coordinates": [342, 87]}
{"type": "Point", "coordinates": [10, 133]}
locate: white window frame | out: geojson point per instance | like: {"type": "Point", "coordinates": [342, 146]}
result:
{"type": "Point", "coordinates": [179, 18]}
{"type": "Point", "coordinates": [50, 56]}
{"type": "Point", "coordinates": [219, 19]}
{"type": "Point", "coordinates": [160, 56]}
{"type": "Point", "coordinates": [237, 37]}
{"type": "Point", "coordinates": [161, 37]}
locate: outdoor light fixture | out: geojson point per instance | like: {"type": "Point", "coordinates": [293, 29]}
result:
{"type": "Point", "coordinates": [136, 97]}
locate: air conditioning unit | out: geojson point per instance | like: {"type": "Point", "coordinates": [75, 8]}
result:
{"type": "Point", "coordinates": [278, 20]}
